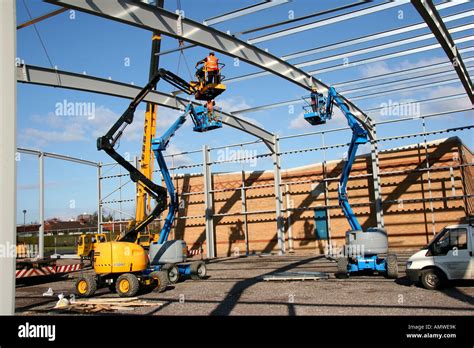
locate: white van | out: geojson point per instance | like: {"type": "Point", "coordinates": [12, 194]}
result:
{"type": "Point", "coordinates": [447, 257]}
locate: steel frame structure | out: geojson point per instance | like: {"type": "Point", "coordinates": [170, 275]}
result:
{"type": "Point", "coordinates": [151, 18]}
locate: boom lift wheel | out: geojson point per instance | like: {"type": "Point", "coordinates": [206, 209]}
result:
{"type": "Point", "coordinates": [342, 265]}
{"type": "Point", "coordinates": [173, 272]}
{"type": "Point", "coordinates": [392, 266]}
{"type": "Point", "coordinates": [127, 285]}
{"type": "Point", "coordinates": [198, 270]}
{"type": "Point", "coordinates": [160, 278]}
{"type": "Point", "coordinates": [86, 285]}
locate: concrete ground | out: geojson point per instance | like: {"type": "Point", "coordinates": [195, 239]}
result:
{"type": "Point", "coordinates": [234, 289]}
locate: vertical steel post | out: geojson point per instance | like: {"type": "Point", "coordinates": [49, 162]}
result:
{"type": "Point", "coordinates": [278, 199]}
{"type": "Point", "coordinates": [326, 194]}
{"type": "Point", "coordinates": [99, 197]}
{"type": "Point", "coordinates": [243, 197]}
{"type": "Point", "coordinates": [428, 166]}
{"type": "Point", "coordinates": [41, 206]}
{"type": "Point", "coordinates": [289, 205]}
{"type": "Point", "coordinates": [374, 155]}
{"type": "Point", "coordinates": [7, 154]}
{"type": "Point", "coordinates": [209, 203]}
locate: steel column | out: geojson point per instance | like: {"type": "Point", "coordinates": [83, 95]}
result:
{"type": "Point", "coordinates": [243, 197]}
{"type": "Point", "coordinates": [209, 203]}
{"type": "Point", "coordinates": [374, 156]}
{"type": "Point", "coordinates": [289, 205]}
{"type": "Point", "coordinates": [99, 198]}
{"type": "Point", "coordinates": [278, 197]}
{"type": "Point", "coordinates": [7, 155]}
{"type": "Point", "coordinates": [41, 206]}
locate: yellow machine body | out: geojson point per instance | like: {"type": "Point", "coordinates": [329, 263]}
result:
{"type": "Point", "coordinates": [207, 91]}
{"type": "Point", "coordinates": [119, 257]}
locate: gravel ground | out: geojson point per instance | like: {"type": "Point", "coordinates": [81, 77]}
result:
{"type": "Point", "coordinates": [234, 289]}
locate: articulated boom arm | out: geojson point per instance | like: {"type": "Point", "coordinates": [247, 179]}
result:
{"type": "Point", "coordinates": [108, 141]}
{"type": "Point", "coordinates": [159, 145]}
{"type": "Point", "coordinates": [359, 136]}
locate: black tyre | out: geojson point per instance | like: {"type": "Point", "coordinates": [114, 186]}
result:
{"type": "Point", "coordinates": [86, 285]}
{"type": "Point", "coordinates": [392, 266]}
{"type": "Point", "coordinates": [173, 272]}
{"type": "Point", "coordinates": [432, 279]}
{"type": "Point", "coordinates": [198, 270]}
{"type": "Point", "coordinates": [127, 285]}
{"type": "Point", "coordinates": [160, 280]}
{"type": "Point", "coordinates": [342, 265]}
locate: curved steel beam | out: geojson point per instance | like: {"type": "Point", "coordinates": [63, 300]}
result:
{"type": "Point", "coordinates": [55, 78]}
{"type": "Point", "coordinates": [170, 24]}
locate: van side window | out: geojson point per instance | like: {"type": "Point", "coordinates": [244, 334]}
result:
{"type": "Point", "coordinates": [458, 238]}
{"type": "Point", "coordinates": [450, 239]}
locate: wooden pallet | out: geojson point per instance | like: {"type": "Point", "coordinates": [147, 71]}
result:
{"type": "Point", "coordinates": [96, 305]}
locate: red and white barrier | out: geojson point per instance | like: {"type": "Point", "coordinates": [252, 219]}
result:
{"type": "Point", "coordinates": [46, 271]}
{"type": "Point", "coordinates": [194, 252]}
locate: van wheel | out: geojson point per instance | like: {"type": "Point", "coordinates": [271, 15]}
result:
{"type": "Point", "coordinates": [432, 279]}
{"type": "Point", "coordinates": [127, 285]}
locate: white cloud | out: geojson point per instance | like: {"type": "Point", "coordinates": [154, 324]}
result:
{"type": "Point", "coordinates": [232, 104]}
{"type": "Point", "coordinates": [299, 122]}
{"type": "Point", "coordinates": [182, 160]}
{"type": "Point", "coordinates": [381, 68]}
{"type": "Point", "coordinates": [64, 129]}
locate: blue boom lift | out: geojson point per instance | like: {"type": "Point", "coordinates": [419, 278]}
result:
{"type": "Point", "coordinates": [164, 255]}
{"type": "Point", "coordinates": [171, 255]}
{"type": "Point", "coordinates": [363, 249]}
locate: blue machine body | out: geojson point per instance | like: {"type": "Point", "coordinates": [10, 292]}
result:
{"type": "Point", "coordinates": [319, 113]}
{"type": "Point", "coordinates": [367, 263]}
{"type": "Point", "coordinates": [203, 121]}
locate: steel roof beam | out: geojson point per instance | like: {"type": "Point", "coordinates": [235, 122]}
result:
{"type": "Point", "coordinates": [244, 11]}
{"type": "Point", "coordinates": [430, 14]}
{"type": "Point", "coordinates": [152, 18]}
{"type": "Point", "coordinates": [299, 101]}
{"type": "Point", "coordinates": [315, 14]}
{"type": "Point", "coordinates": [68, 80]}
{"type": "Point", "coordinates": [343, 17]}
{"type": "Point", "coordinates": [56, 156]}
{"type": "Point", "coordinates": [363, 50]}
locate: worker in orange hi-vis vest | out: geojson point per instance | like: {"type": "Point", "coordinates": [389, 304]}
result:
{"type": "Point", "coordinates": [212, 66]}
{"type": "Point", "coordinates": [210, 109]}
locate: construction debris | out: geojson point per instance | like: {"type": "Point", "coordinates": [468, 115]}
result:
{"type": "Point", "coordinates": [291, 276]}
{"type": "Point", "coordinates": [48, 293]}
{"type": "Point", "coordinates": [96, 305]}
{"type": "Point", "coordinates": [62, 303]}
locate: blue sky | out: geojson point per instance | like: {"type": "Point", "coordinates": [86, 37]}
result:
{"type": "Point", "coordinates": [79, 42]}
